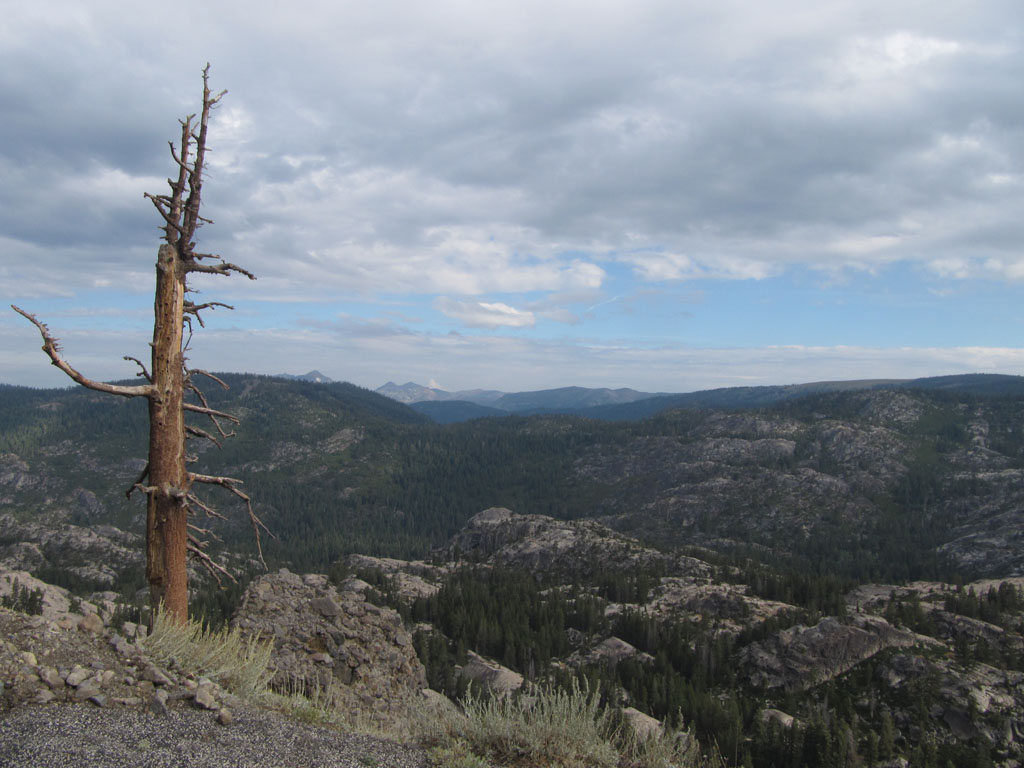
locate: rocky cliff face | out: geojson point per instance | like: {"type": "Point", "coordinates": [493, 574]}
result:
{"type": "Point", "coordinates": [333, 645]}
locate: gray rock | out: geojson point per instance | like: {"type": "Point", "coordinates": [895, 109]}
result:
{"type": "Point", "coordinates": [155, 676]}
{"type": "Point", "coordinates": [77, 676]}
{"type": "Point", "coordinates": [86, 691]}
{"type": "Point", "coordinates": [44, 696]}
{"type": "Point", "coordinates": [51, 677]}
{"type": "Point", "coordinates": [335, 645]}
{"type": "Point", "coordinates": [158, 703]}
{"type": "Point", "coordinates": [204, 698]}
{"type": "Point", "coordinates": [325, 607]}
{"type": "Point", "coordinates": [91, 623]}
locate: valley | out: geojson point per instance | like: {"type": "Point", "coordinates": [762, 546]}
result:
{"type": "Point", "coordinates": [807, 576]}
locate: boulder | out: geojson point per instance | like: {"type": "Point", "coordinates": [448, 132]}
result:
{"type": "Point", "coordinates": [334, 646]}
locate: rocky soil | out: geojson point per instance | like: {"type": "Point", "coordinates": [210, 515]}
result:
{"type": "Point", "coordinates": [75, 691]}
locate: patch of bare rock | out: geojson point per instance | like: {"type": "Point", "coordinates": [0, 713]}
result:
{"type": "Point", "coordinates": [799, 658]}
{"type": "Point", "coordinates": [332, 644]}
{"type": "Point", "coordinates": [540, 543]}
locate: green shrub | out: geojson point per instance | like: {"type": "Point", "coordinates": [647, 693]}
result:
{"type": "Point", "coordinates": [236, 662]}
{"type": "Point", "coordinates": [550, 727]}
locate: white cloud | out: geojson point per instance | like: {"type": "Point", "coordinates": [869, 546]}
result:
{"type": "Point", "coordinates": [872, 58]}
{"type": "Point", "coordinates": [660, 266]}
{"type": "Point", "coordinates": [479, 314]}
{"type": "Point", "coordinates": [864, 245]}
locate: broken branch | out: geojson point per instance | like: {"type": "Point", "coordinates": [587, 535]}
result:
{"type": "Point", "coordinates": [51, 347]}
{"type": "Point", "coordinates": [230, 483]}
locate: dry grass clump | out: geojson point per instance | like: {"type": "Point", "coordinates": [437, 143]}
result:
{"type": "Point", "coordinates": [236, 662]}
{"type": "Point", "coordinates": [551, 727]}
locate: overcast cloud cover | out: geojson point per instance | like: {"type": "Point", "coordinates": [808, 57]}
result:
{"type": "Point", "coordinates": [521, 195]}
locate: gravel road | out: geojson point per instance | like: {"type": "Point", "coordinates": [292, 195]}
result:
{"type": "Point", "coordinates": [83, 736]}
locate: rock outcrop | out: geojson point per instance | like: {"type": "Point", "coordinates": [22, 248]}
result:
{"type": "Point", "coordinates": [491, 675]}
{"type": "Point", "coordinates": [800, 657]}
{"type": "Point", "coordinates": [333, 645]}
{"type": "Point", "coordinates": [94, 554]}
{"type": "Point", "coordinates": [539, 543]}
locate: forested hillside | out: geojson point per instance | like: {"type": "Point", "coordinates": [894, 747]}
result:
{"type": "Point", "coordinates": [872, 484]}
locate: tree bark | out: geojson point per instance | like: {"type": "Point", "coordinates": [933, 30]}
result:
{"type": "Point", "coordinates": [167, 501]}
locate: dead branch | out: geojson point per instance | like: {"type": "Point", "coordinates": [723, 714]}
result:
{"type": "Point", "coordinates": [144, 373]}
{"type": "Point", "coordinates": [146, 489]}
{"type": "Point", "coordinates": [209, 375]}
{"type": "Point", "coordinates": [210, 511]}
{"type": "Point", "coordinates": [195, 309]}
{"type": "Point", "coordinates": [199, 531]}
{"type": "Point", "coordinates": [224, 268]}
{"type": "Point", "coordinates": [197, 432]}
{"type": "Point", "coordinates": [194, 547]}
{"type": "Point", "coordinates": [231, 484]}
{"type": "Point", "coordinates": [193, 408]}
{"type": "Point", "coordinates": [138, 481]}
{"type": "Point", "coordinates": [51, 346]}
{"type": "Point", "coordinates": [203, 402]}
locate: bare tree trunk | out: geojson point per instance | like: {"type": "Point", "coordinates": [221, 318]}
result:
{"type": "Point", "coordinates": [167, 502]}
{"type": "Point", "coordinates": [170, 538]}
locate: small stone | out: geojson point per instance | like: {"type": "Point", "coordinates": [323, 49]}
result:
{"type": "Point", "coordinates": [158, 704]}
{"type": "Point", "coordinates": [77, 676]}
{"type": "Point", "coordinates": [224, 716]}
{"type": "Point", "coordinates": [51, 677]}
{"type": "Point", "coordinates": [99, 700]}
{"type": "Point", "coordinates": [204, 697]}
{"type": "Point", "coordinates": [155, 676]}
{"type": "Point", "coordinates": [107, 677]}
{"type": "Point", "coordinates": [322, 658]}
{"type": "Point", "coordinates": [29, 658]}
{"type": "Point", "coordinates": [44, 696]}
{"type": "Point", "coordinates": [91, 623]}
{"type": "Point", "coordinates": [325, 606]}
{"type": "Point", "coordinates": [127, 701]}
{"type": "Point", "coordinates": [86, 691]}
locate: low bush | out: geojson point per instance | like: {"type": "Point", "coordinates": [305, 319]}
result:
{"type": "Point", "coordinates": [236, 662]}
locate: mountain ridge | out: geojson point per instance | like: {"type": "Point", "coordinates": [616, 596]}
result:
{"type": "Point", "coordinates": [630, 405]}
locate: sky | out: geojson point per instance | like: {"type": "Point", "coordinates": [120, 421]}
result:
{"type": "Point", "coordinates": [668, 196]}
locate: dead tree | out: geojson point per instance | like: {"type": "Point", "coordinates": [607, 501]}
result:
{"type": "Point", "coordinates": [166, 481]}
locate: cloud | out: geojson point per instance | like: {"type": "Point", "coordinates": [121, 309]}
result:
{"type": "Point", "coordinates": [478, 314]}
{"type": "Point", "coordinates": [504, 157]}
{"type": "Point", "coordinates": [658, 267]}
